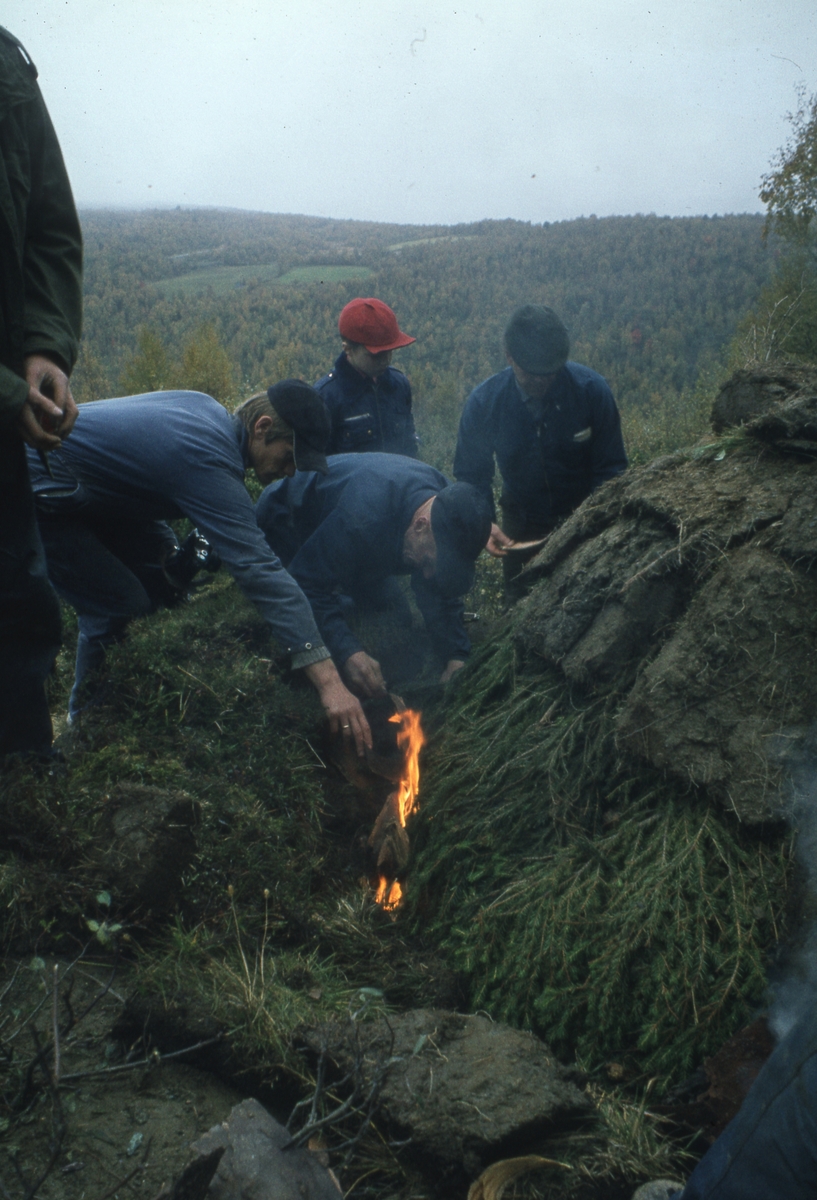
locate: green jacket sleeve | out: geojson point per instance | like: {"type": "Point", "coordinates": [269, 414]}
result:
{"type": "Point", "coordinates": [52, 262]}
{"type": "Point", "coordinates": [40, 238]}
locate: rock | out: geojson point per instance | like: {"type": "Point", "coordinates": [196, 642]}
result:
{"type": "Point", "coordinates": [466, 1090]}
{"type": "Point", "coordinates": [194, 1181]}
{"type": "Point", "coordinates": [705, 706]}
{"type": "Point", "coordinates": [748, 393]}
{"type": "Point", "coordinates": [255, 1166]}
{"type": "Point", "coordinates": [148, 842]}
{"type": "Point", "coordinates": [793, 422]}
{"type": "Point", "coordinates": [658, 1189]}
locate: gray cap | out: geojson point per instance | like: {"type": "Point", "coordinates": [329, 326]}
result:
{"type": "Point", "coordinates": [537, 340]}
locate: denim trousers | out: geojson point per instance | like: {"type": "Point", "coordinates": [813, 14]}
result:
{"type": "Point", "coordinates": [109, 571]}
{"type": "Point", "coordinates": [769, 1150]}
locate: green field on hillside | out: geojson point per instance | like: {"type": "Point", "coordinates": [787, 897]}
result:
{"type": "Point", "coordinates": [223, 280]}
{"type": "Point", "coordinates": [334, 274]}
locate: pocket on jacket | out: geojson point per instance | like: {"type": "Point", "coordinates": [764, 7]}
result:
{"type": "Point", "coordinates": [358, 432]}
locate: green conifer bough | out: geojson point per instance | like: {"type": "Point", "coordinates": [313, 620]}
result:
{"type": "Point", "coordinates": [582, 895]}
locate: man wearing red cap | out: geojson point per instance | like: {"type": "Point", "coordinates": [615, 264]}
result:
{"type": "Point", "coordinates": [369, 402]}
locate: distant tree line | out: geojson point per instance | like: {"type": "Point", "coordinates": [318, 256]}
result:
{"type": "Point", "coordinates": [651, 303]}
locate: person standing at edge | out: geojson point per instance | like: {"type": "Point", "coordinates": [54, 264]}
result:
{"type": "Point", "coordinates": [40, 327]}
{"type": "Point", "coordinates": [369, 401]}
{"type": "Point", "coordinates": [553, 427]}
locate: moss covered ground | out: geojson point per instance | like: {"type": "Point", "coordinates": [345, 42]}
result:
{"type": "Point", "coordinates": [275, 927]}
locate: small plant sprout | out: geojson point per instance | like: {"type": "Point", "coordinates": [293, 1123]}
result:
{"type": "Point", "coordinates": [104, 931]}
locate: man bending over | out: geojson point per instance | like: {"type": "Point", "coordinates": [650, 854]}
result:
{"type": "Point", "coordinates": [371, 517]}
{"type": "Point", "coordinates": [135, 462]}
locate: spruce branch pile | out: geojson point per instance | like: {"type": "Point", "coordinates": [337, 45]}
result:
{"type": "Point", "coordinates": [609, 908]}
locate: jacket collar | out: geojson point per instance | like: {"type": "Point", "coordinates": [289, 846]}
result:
{"type": "Point", "coordinates": [351, 374]}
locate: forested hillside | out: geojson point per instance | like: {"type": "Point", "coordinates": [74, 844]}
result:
{"type": "Point", "coordinates": [651, 302]}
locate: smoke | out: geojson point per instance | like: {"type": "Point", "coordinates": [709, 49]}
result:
{"type": "Point", "coordinates": [793, 986]}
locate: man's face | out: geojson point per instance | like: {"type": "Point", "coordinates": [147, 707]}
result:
{"type": "Point", "coordinates": [366, 362]}
{"type": "Point", "coordinates": [535, 386]}
{"type": "Point", "coordinates": [271, 460]}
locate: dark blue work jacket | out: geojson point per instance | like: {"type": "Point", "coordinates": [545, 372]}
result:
{"type": "Point", "coordinates": [548, 466]}
{"type": "Point", "coordinates": [343, 532]}
{"type": "Point", "coordinates": [163, 455]}
{"type": "Point", "coordinates": [366, 413]}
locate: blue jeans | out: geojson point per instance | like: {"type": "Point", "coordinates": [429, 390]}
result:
{"type": "Point", "coordinates": [769, 1150]}
{"type": "Point", "coordinates": [110, 572]}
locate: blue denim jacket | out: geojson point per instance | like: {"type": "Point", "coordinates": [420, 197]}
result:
{"type": "Point", "coordinates": [548, 466]}
{"type": "Point", "coordinates": [368, 414]}
{"type": "Point", "coordinates": [172, 454]}
{"type": "Point", "coordinates": [344, 532]}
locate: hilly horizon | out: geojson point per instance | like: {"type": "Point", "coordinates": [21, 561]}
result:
{"type": "Point", "coordinates": [652, 303]}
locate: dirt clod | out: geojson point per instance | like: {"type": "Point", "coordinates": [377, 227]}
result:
{"type": "Point", "coordinates": [149, 841]}
{"type": "Point", "coordinates": [465, 1089]}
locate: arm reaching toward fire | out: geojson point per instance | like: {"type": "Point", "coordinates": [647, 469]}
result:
{"type": "Point", "coordinates": [364, 675]}
{"type": "Point", "coordinates": [341, 707]}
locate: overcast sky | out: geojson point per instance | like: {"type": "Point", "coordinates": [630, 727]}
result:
{"type": "Point", "coordinates": [421, 111]}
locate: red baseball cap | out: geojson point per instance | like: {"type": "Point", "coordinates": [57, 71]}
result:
{"type": "Point", "coordinates": [373, 324]}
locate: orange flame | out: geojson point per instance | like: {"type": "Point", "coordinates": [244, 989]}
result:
{"type": "Point", "coordinates": [389, 898]}
{"type": "Point", "coordinates": [410, 739]}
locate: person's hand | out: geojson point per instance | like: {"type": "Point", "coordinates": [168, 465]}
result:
{"type": "Point", "coordinates": [343, 710]}
{"type": "Point", "coordinates": [364, 675]}
{"type": "Point", "coordinates": [50, 411]}
{"type": "Point", "coordinates": [498, 542]}
{"type": "Point", "coordinates": [451, 667]}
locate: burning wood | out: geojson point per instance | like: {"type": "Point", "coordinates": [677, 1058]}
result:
{"type": "Point", "coordinates": [388, 840]}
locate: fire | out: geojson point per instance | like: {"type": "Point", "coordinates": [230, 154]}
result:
{"type": "Point", "coordinates": [389, 898]}
{"type": "Point", "coordinates": [410, 739]}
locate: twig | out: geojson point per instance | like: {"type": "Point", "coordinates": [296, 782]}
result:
{"type": "Point", "coordinates": [58, 1129]}
{"type": "Point", "coordinates": [306, 1133]}
{"type": "Point", "coordinates": [313, 1100]}
{"type": "Point", "coordinates": [6, 991]}
{"type": "Point", "coordinates": [318, 1085]}
{"type": "Point", "coordinates": [139, 1167]}
{"type": "Point", "coordinates": [56, 1024]}
{"type": "Point", "coordinates": [154, 1058]}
